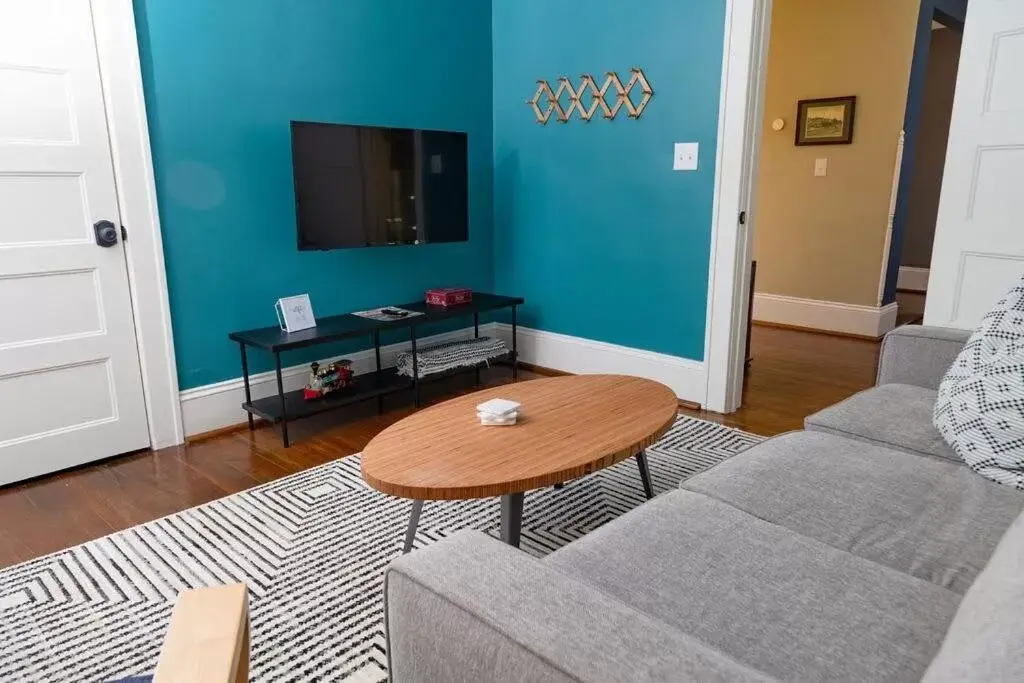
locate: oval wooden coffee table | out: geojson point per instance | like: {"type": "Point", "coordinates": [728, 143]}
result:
{"type": "Point", "coordinates": [568, 427]}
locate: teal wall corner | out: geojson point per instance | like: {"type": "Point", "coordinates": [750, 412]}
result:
{"type": "Point", "coordinates": [592, 226]}
{"type": "Point", "coordinates": [223, 80]}
{"type": "Point", "coordinates": [587, 221]}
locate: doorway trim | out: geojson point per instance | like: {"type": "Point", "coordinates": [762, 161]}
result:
{"type": "Point", "coordinates": [117, 51]}
{"type": "Point", "coordinates": [740, 114]}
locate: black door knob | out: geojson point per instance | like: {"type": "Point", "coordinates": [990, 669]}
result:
{"type": "Point", "coordinates": [106, 233]}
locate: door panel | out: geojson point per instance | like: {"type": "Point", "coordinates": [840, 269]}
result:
{"type": "Point", "coordinates": [70, 386]}
{"type": "Point", "coordinates": [50, 207]}
{"type": "Point", "coordinates": [79, 395]}
{"type": "Point", "coordinates": [979, 243]}
{"type": "Point", "coordinates": [75, 310]}
{"type": "Point", "coordinates": [38, 105]}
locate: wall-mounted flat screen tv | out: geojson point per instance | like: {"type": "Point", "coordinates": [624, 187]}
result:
{"type": "Point", "coordinates": [364, 186]}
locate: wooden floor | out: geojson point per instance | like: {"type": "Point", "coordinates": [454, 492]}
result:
{"type": "Point", "coordinates": [793, 374]}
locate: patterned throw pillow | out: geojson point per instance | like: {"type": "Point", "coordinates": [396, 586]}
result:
{"type": "Point", "coordinates": [980, 408]}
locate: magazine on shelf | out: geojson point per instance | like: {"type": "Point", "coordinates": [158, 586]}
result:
{"type": "Point", "coordinates": [387, 314]}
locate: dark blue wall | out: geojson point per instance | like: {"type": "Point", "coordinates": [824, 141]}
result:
{"type": "Point", "coordinates": [953, 13]}
{"type": "Point", "coordinates": [222, 80]}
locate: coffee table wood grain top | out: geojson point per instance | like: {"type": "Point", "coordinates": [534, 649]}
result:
{"type": "Point", "coordinates": [568, 427]}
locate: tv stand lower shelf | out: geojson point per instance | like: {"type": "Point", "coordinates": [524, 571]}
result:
{"type": "Point", "coordinates": [288, 406]}
{"type": "Point", "coordinates": [295, 406]}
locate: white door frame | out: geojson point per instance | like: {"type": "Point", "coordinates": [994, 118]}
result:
{"type": "Point", "coordinates": [121, 75]}
{"type": "Point", "coordinates": [740, 114]}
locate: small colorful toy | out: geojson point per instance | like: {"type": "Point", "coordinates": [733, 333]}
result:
{"type": "Point", "coordinates": [324, 380]}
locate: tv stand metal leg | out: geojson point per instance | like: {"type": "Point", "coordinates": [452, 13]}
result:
{"type": "Point", "coordinates": [245, 379]}
{"type": "Point", "coordinates": [376, 350]}
{"type": "Point", "coordinates": [415, 369]}
{"type": "Point", "coordinates": [280, 396]}
{"type": "Point", "coordinates": [515, 352]}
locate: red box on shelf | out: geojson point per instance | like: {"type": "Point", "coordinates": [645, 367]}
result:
{"type": "Point", "coordinates": [449, 296]}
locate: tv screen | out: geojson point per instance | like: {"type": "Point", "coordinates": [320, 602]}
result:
{"type": "Point", "coordinates": [361, 186]}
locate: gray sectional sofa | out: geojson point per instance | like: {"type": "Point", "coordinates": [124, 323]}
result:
{"type": "Point", "coordinates": [860, 549]}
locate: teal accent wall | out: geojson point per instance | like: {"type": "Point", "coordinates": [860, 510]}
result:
{"type": "Point", "coordinates": [592, 226]}
{"type": "Point", "coordinates": [587, 221]}
{"type": "Point", "coordinates": [222, 80]}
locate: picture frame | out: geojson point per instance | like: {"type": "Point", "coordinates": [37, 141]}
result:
{"type": "Point", "coordinates": [825, 121]}
{"type": "Point", "coordinates": [295, 313]}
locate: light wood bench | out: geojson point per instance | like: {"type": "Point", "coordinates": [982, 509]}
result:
{"type": "Point", "coordinates": [208, 638]}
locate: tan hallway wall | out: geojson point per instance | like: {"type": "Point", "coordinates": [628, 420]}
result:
{"type": "Point", "coordinates": [822, 238]}
{"type": "Point", "coordinates": [943, 60]}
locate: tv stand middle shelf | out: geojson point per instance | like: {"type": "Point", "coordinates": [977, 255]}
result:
{"type": "Point", "coordinates": [285, 407]}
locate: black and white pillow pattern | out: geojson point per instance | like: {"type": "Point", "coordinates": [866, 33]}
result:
{"type": "Point", "coordinates": [980, 407]}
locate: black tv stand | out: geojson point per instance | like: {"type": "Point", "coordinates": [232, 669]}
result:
{"type": "Point", "coordinates": [285, 407]}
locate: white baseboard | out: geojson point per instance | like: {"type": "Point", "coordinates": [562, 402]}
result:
{"type": "Point", "coordinates": [687, 378]}
{"type": "Point", "coordinates": [214, 406]}
{"type": "Point", "coordinates": [912, 279]}
{"type": "Point", "coordinates": [219, 405]}
{"type": "Point", "coordinates": [831, 316]}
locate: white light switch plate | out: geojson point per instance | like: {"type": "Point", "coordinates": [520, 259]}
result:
{"type": "Point", "coordinates": [820, 168]}
{"type": "Point", "coordinates": [685, 157]}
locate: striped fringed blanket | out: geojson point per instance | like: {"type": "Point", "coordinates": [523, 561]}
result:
{"type": "Point", "coordinates": [450, 355]}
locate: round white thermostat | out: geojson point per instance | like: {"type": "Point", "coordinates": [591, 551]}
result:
{"type": "Point", "coordinates": [778, 124]}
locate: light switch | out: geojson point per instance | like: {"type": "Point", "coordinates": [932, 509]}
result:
{"type": "Point", "coordinates": [685, 158]}
{"type": "Point", "coordinates": [820, 168]}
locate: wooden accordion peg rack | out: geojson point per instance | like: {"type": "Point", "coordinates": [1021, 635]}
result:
{"type": "Point", "coordinates": [547, 101]}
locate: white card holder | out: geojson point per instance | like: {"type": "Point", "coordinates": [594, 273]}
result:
{"type": "Point", "coordinates": [295, 313]}
{"type": "Point", "coordinates": [498, 407]}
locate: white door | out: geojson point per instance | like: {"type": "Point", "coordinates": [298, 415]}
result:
{"type": "Point", "coordinates": [70, 387]}
{"type": "Point", "coordinates": [979, 237]}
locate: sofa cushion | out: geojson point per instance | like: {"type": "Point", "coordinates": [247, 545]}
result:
{"type": "Point", "coordinates": [980, 405]}
{"type": "Point", "coordinates": [782, 603]}
{"type": "Point", "coordinates": [932, 519]}
{"type": "Point", "coordinates": [984, 640]}
{"type": "Point", "coordinates": [475, 610]}
{"type": "Point", "coordinates": [919, 355]}
{"type": "Point", "coordinates": [895, 415]}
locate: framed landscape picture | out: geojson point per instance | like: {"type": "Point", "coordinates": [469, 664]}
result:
{"type": "Point", "coordinates": [826, 121]}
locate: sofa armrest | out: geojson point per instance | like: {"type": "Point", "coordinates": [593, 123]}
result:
{"type": "Point", "coordinates": [471, 608]}
{"type": "Point", "coordinates": [919, 355]}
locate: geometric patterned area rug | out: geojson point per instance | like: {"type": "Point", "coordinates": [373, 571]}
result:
{"type": "Point", "coordinates": [312, 548]}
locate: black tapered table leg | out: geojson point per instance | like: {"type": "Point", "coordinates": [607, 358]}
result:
{"type": "Point", "coordinates": [645, 474]}
{"type": "Point", "coordinates": [414, 521]}
{"type": "Point", "coordinates": [511, 518]}
{"type": "Point", "coordinates": [280, 396]}
{"type": "Point", "coordinates": [245, 379]}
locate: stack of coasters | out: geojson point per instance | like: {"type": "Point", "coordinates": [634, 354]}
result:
{"type": "Point", "coordinates": [498, 412]}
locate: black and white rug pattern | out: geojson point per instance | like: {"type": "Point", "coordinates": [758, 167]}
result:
{"type": "Point", "coordinates": [312, 548]}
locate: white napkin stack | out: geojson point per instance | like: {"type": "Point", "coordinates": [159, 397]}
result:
{"type": "Point", "coordinates": [498, 412]}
